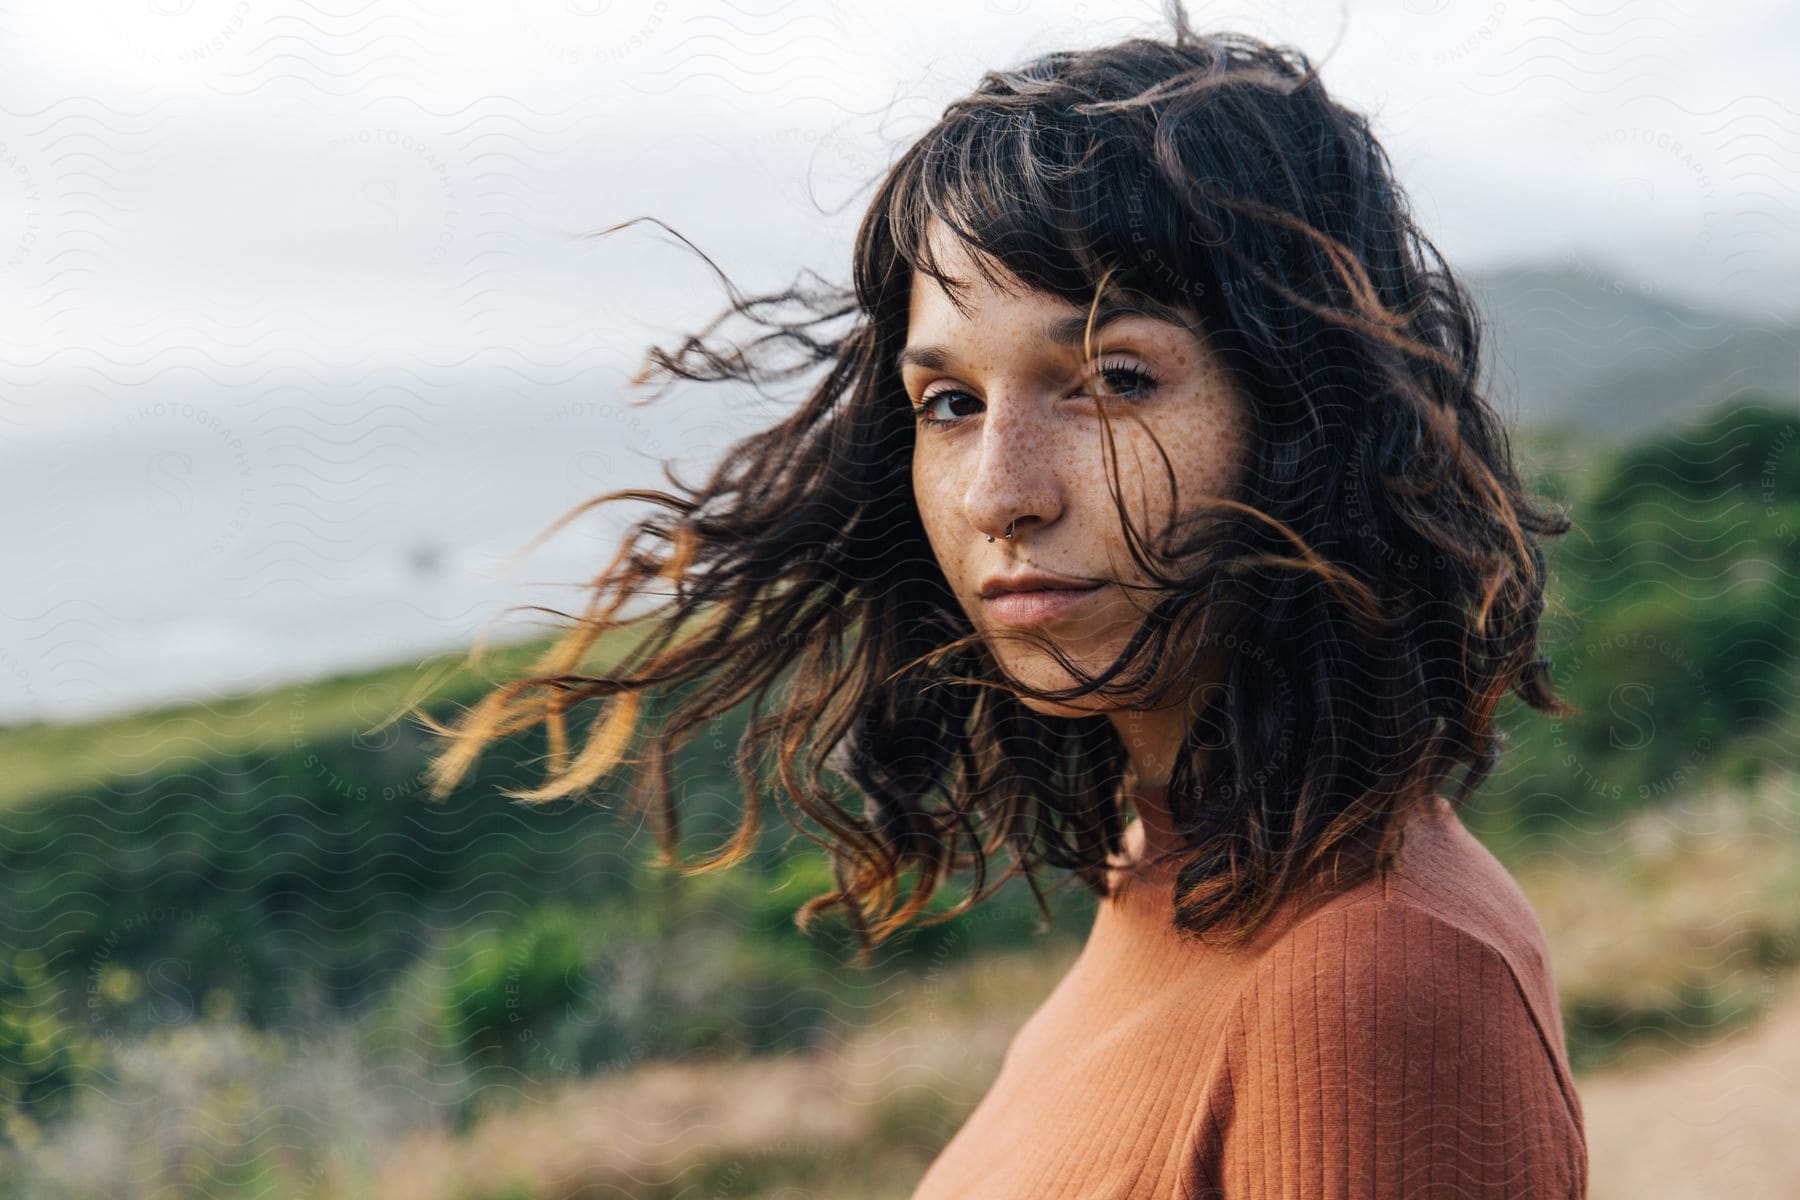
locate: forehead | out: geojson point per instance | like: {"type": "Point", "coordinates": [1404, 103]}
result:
{"type": "Point", "coordinates": [976, 280]}
{"type": "Point", "coordinates": [973, 299]}
{"type": "Point", "coordinates": [980, 287]}
{"type": "Point", "coordinates": [998, 297]}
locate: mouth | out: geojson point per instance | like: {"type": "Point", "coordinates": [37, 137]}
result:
{"type": "Point", "coordinates": [1039, 606]}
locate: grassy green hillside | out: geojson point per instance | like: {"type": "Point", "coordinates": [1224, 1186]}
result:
{"type": "Point", "coordinates": [190, 892]}
{"type": "Point", "coordinates": [1571, 343]}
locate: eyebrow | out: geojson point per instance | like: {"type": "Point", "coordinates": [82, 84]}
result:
{"type": "Point", "coordinates": [1063, 331]}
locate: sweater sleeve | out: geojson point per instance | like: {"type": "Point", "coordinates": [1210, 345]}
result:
{"type": "Point", "coordinates": [1380, 1052]}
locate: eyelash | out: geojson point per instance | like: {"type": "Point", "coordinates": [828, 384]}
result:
{"type": "Point", "coordinates": [1144, 382]}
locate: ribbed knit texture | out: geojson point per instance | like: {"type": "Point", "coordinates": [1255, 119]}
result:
{"type": "Point", "coordinates": [1401, 1038]}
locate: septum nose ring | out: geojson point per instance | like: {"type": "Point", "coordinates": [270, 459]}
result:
{"type": "Point", "coordinates": [1009, 530]}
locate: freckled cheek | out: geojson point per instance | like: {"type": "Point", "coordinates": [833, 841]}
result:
{"type": "Point", "coordinates": [1211, 460]}
{"type": "Point", "coordinates": [935, 495]}
{"type": "Point", "coordinates": [1205, 460]}
{"type": "Point", "coordinates": [1212, 456]}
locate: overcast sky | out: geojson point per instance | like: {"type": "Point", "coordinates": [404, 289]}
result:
{"type": "Point", "coordinates": [232, 232]}
{"type": "Point", "coordinates": [312, 183]}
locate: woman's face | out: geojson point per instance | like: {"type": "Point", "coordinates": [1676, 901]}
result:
{"type": "Point", "coordinates": [1022, 442]}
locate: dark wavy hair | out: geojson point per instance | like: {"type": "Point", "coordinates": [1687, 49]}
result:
{"type": "Point", "coordinates": [1374, 585]}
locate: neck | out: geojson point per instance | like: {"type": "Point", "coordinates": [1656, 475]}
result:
{"type": "Point", "coordinates": [1151, 803]}
{"type": "Point", "coordinates": [1151, 835]}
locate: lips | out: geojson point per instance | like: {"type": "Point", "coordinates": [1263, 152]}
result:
{"type": "Point", "coordinates": [1039, 606]}
{"type": "Point", "coordinates": [1032, 581]}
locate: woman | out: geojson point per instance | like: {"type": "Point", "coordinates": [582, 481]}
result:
{"type": "Point", "coordinates": [1145, 470]}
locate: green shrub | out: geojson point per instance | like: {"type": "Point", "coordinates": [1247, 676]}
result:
{"type": "Point", "coordinates": [43, 1058]}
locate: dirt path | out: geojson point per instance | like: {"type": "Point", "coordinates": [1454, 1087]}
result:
{"type": "Point", "coordinates": [1721, 1121]}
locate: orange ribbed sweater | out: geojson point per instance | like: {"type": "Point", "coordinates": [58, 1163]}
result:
{"type": "Point", "coordinates": [1400, 1039]}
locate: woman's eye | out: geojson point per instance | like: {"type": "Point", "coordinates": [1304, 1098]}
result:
{"type": "Point", "coordinates": [924, 406]}
{"type": "Point", "coordinates": [1121, 379]}
{"type": "Point", "coordinates": [1127, 380]}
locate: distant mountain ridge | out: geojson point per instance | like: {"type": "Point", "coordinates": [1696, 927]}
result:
{"type": "Point", "coordinates": [1565, 345]}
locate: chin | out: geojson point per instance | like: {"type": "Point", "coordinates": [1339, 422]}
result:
{"type": "Point", "coordinates": [1044, 673]}
{"type": "Point", "coordinates": [1044, 708]}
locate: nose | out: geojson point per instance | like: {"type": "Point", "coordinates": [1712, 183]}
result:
{"type": "Point", "coordinates": [1015, 481]}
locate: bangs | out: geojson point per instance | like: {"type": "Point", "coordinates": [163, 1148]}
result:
{"type": "Point", "coordinates": [1066, 207]}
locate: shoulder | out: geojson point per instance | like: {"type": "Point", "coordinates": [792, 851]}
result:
{"type": "Point", "coordinates": [1396, 1047]}
{"type": "Point", "coordinates": [1390, 960]}
{"type": "Point", "coordinates": [1444, 885]}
